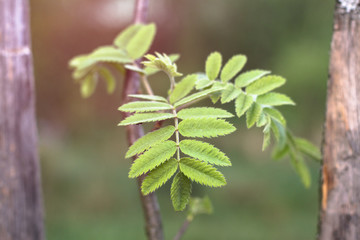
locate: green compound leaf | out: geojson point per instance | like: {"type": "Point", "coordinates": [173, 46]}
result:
{"type": "Point", "coordinates": [205, 152]}
{"type": "Point", "coordinates": [232, 67]}
{"type": "Point", "coordinates": [161, 62]}
{"type": "Point", "coordinates": [159, 176]}
{"type": "Point", "coordinates": [253, 114]}
{"type": "Point", "coordinates": [300, 168]}
{"type": "Point", "coordinates": [230, 93]}
{"type": "Point", "coordinates": [109, 79]}
{"type": "Point", "coordinates": [275, 114]}
{"type": "Point", "coordinates": [123, 38]}
{"type": "Point", "coordinates": [149, 97]}
{"type": "Point", "coordinates": [151, 70]}
{"type": "Point", "coordinates": [249, 77]}
{"type": "Point", "coordinates": [263, 120]}
{"type": "Point", "coordinates": [149, 140]}
{"type": "Point", "coordinates": [180, 191]}
{"type": "Point", "coordinates": [201, 172]}
{"type": "Point", "coordinates": [199, 206]}
{"type": "Point", "coordinates": [274, 99]}
{"type": "Point", "coordinates": [213, 65]}
{"type": "Point", "coordinates": [145, 117]}
{"type": "Point", "coordinates": [242, 104]}
{"type": "Point", "coordinates": [152, 158]}
{"type": "Point", "coordinates": [197, 96]}
{"type": "Point", "coordinates": [205, 127]}
{"type": "Point", "coordinates": [267, 135]}
{"type": "Point", "coordinates": [109, 54]}
{"type": "Point", "coordinates": [202, 81]}
{"type": "Point", "coordinates": [140, 43]}
{"type": "Point", "coordinates": [144, 106]}
{"type": "Point", "coordinates": [308, 148]}
{"type": "Point", "coordinates": [279, 132]}
{"type": "Point", "coordinates": [208, 112]}
{"type": "Point", "coordinates": [279, 153]}
{"type": "Point", "coordinates": [265, 84]}
{"type": "Point", "coordinates": [88, 86]}
{"type": "Point", "coordinates": [183, 88]}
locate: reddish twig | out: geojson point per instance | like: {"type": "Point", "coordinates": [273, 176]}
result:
{"type": "Point", "coordinates": [132, 86]}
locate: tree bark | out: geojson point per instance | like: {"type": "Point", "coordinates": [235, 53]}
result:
{"type": "Point", "coordinates": [153, 228]}
{"type": "Point", "coordinates": [21, 211]}
{"type": "Point", "coordinates": [340, 186]}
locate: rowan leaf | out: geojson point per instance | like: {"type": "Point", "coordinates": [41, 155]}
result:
{"type": "Point", "coordinates": [279, 132]}
{"type": "Point", "coordinates": [88, 85]}
{"type": "Point", "coordinates": [267, 134]}
{"type": "Point", "coordinates": [265, 84]}
{"type": "Point", "coordinates": [243, 103]}
{"type": "Point", "coordinates": [150, 70]}
{"type": "Point", "coordinates": [109, 79]}
{"type": "Point", "coordinates": [202, 81]}
{"type": "Point", "coordinates": [213, 65]}
{"type": "Point", "coordinates": [199, 206]}
{"type": "Point", "coordinates": [180, 191]}
{"type": "Point", "coordinates": [233, 67]}
{"type": "Point", "coordinates": [140, 43]}
{"type": "Point", "coordinates": [263, 120]}
{"type": "Point", "coordinates": [123, 38]}
{"type": "Point", "coordinates": [205, 127]}
{"type": "Point", "coordinates": [205, 152]}
{"type": "Point", "coordinates": [253, 114]}
{"type": "Point", "coordinates": [197, 96]}
{"type": "Point", "coordinates": [208, 112]}
{"type": "Point", "coordinates": [149, 140]}
{"type": "Point", "coordinates": [300, 168]}
{"type": "Point", "coordinates": [183, 88]}
{"type": "Point", "coordinates": [201, 172]}
{"type": "Point", "coordinates": [159, 176]}
{"type": "Point", "coordinates": [144, 106]}
{"type": "Point", "coordinates": [274, 99]}
{"type": "Point", "coordinates": [109, 54]}
{"type": "Point", "coordinates": [308, 148]}
{"type": "Point", "coordinates": [145, 117]}
{"type": "Point", "coordinates": [230, 93]}
{"type": "Point", "coordinates": [249, 77]}
{"type": "Point", "coordinates": [152, 158]}
{"type": "Point", "coordinates": [279, 153]}
{"type": "Point", "coordinates": [275, 114]}
{"type": "Point", "coordinates": [148, 97]}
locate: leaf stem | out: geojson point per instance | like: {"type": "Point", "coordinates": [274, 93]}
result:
{"type": "Point", "coordinates": [176, 120]}
{"type": "Point", "coordinates": [146, 84]}
{"type": "Point", "coordinates": [183, 229]}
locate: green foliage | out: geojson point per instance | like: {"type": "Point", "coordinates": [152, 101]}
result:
{"type": "Point", "coordinates": [152, 158]}
{"type": "Point", "coordinates": [205, 127]}
{"type": "Point", "coordinates": [149, 140]}
{"type": "Point", "coordinates": [251, 91]}
{"type": "Point", "coordinates": [201, 172]}
{"type": "Point", "coordinates": [144, 106]}
{"type": "Point", "coordinates": [246, 78]}
{"type": "Point", "coordinates": [180, 191]}
{"type": "Point", "coordinates": [208, 112]}
{"type": "Point", "coordinates": [265, 84]}
{"type": "Point", "coordinates": [159, 176]}
{"type": "Point", "coordinates": [205, 152]}
{"type": "Point", "coordinates": [233, 67]}
{"type": "Point", "coordinates": [213, 65]}
{"type": "Point", "coordinates": [183, 88]}
{"type": "Point", "coordinates": [141, 41]}
{"type": "Point", "coordinates": [145, 117]}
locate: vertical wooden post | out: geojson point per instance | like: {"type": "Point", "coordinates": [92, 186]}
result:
{"type": "Point", "coordinates": [340, 189]}
{"type": "Point", "coordinates": [21, 212]}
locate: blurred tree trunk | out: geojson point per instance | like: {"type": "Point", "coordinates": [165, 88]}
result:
{"type": "Point", "coordinates": [340, 189]}
{"type": "Point", "coordinates": [21, 212]}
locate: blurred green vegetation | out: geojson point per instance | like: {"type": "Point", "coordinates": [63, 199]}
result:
{"type": "Point", "coordinates": [86, 189]}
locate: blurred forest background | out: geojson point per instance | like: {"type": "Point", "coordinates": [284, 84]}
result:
{"type": "Point", "coordinates": [87, 193]}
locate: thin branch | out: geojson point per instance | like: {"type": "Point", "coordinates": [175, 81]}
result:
{"type": "Point", "coordinates": [183, 229]}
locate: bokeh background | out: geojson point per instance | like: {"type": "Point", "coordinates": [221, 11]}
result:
{"type": "Point", "coordinates": [86, 190]}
